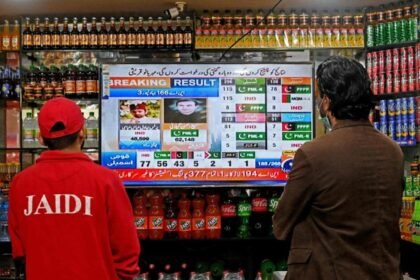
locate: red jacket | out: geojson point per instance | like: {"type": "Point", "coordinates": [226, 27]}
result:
{"type": "Point", "coordinates": [71, 219]}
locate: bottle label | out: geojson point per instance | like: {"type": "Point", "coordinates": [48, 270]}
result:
{"type": "Point", "coordinates": [213, 222]}
{"type": "Point", "coordinates": [156, 222]}
{"type": "Point", "coordinates": [59, 90]}
{"type": "Point", "coordinates": [91, 133]}
{"type": "Point", "coordinates": [27, 40]}
{"type": "Point", "coordinates": [244, 209]}
{"type": "Point", "coordinates": [46, 40]}
{"type": "Point", "coordinates": [6, 42]}
{"type": "Point", "coordinates": [184, 225]}
{"type": "Point", "coordinates": [273, 204]}
{"type": "Point", "coordinates": [122, 39]}
{"type": "Point", "coordinates": [150, 39]}
{"type": "Point", "coordinates": [84, 39]}
{"type": "Point", "coordinates": [74, 39]}
{"type": "Point", "coordinates": [65, 40]}
{"type": "Point", "coordinates": [5, 89]}
{"type": "Point", "coordinates": [178, 38]}
{"type": "Point", "coordinates": [160, 39]}
{"type": "Point", "coordinates": [28, 134]}
{"type": "Point", "coordinates": [37, 40]}
{"type": "Point", "coordinates": [131, 39]}
{"type": "Point", "coordinates": [49, 91]}
{"type": "Point", "coordinates": [93, 40]}
{"type": "Point", "coordinates": [91, 86]}
{"type": "Point", "coordinates": [228, 210]}
{"type": "Point", "coordinates": [171, 225]}
{"type": "Point", "coordinates": [103, 39]}
{"type": "Point", "coordinates": [56, 40]}
{"type": "Point", "coordinates": [169, 39]}
{"type": "Point", "coordinates": [140, 222]}
{"type": "Point", "coordinates": [69, 87]}
{"type": "Point", "coordinates": [198, 224]}
{"type": "Point", "coordinates": [259, 204]}
{"type": "Point", "coordinates": [187, 38]}
{"type": "Point", "coordinates": [141, 39]}
{"type": "Point", "coordinates": [15, 42]}
{"type": "Point", "coordinates": [112, 39]}
{"type": "Point", "coordinates": [80, 86]}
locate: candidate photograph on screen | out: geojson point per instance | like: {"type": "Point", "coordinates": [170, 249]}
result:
{"type": "Point", "coordinates": [185, 110]}
{"type": "Point", "coordinates": [139, 111]}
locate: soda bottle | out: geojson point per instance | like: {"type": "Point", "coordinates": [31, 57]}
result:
{"type": "Point", "coordinates": [65, 35]}
{"type": "Point", "coordinates": [92, 128]}
{"type": "Point", "coordinates": [140, 215]}
{"type": "Point", "coordinates": [84, 35]}
{"type": "Point", "coordinates": [244, 212]}
{"type": "Point", "coordinates": [169, 35]}
{"type": "Point", "coordinates": [229, 217]}
{"type": "Point", "coordinates": [55, 35]}
{"type": "Point", "coordinates": [15, 38]}
{"type": "Point", "coordinates": [91, 82]}
{"type": "Point", "coordinates": [70, 82]}
{"type": "Point", "coordinates": [150, 35]}
{"type": "Point", "coordinates": [187, 35]}
{"type": "Point", "coordinates": [216, 269]}
{"type": "Point", "coordinates": [81, 82]}
{"type": "Point", "coordinates": [131, 34]}
{"type": "Point", "coordinates": [260, 220]}
{"type": "Point", "coordinates": [6, 37]}
{"type": "Point", "coordinates": [184, 217]}
{"type": "Point", "coordinates": [160, 34]}
{"type": "Point", "coordinates": [74, 35]}
{"type": "Point", "coordinates": [213, 218]}
{"type": "Point", "coordinates": [27, 35]}
{"type": "Point", "coordinates": [198, 218]}
{"type": "Point", "coordinates": [171, 222]}
{"type": "Point", "coordinates": [36, 35]}
{"type": "Point", "coordinates": [93, 35]}
{"type": "Point", "coordinates": [141, 35]}
{"type": "Point", "coordinates": [103, 36]}
{"type": "Point", "coordinates": [156, 217]}
{"type": "Point", "coordinates": [122, 35]}
{"type": "Point", "coordinates": [112, 35]}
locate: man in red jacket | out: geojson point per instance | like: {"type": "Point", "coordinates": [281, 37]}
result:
{"type": "Point", "coordinates": [70, 218]}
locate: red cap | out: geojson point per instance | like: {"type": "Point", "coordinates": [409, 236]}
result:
{"type": "Point", "coordinates": [141, 106]}
{"type": "Point", "coordinates": [59, 110]}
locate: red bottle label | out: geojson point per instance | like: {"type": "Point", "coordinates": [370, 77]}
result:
{"type": "Point", "coordinates": [156, 222]}
{"type": "Point", "coordinates": [228, 210]}
{"type": "Point", "coordinates": [171, 225]}
{"type": "Point", "coordinates": [184, 225]}
{"type": "Point", "coordinates": [140, 222]}
{"type": "Point", "coordinates": [198, 224]}
{"type": "Point", "coordinates": [259, 204]}
{"type": "Point", "coordinates": [213, 222]}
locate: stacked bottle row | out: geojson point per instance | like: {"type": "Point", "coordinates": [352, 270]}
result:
{"type": "Point", "coordinates": [71, 81]}
{"type": "Point", "coordinates": [293, 30]}
{"type": "Point", "coordinates": [394, 70]}
{"type": "Point", "coordinates": [150, 34]}
{"type": "Point", "coordinates": [31, 130]}
{"type": "Point", "coordinates": [392, 25]}
{"type": "Point", "coordinates": [10, 87]}
{"type": "Point", "coordinates": [399, 119]}
{"type": "Point", "coordinates": [195, 216]}
{"type": "Point", "coordinates": [412, 181]}
{"type": "Point", "coordinates": [217, 270]}
{"type": "Point", "coordinates": [10, 36]}
{"type": "Point", "coordinates": [7, 172]}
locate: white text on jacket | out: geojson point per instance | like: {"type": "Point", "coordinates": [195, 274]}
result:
{"type": "Point", "coordinates": [69, 204]}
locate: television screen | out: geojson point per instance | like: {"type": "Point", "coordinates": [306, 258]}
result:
{"type": "Point", "coordinates": [205, 124]}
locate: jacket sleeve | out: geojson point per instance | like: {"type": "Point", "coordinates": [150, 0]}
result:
{"type": "Point", "coordinates": [294, 202]}
{"type": "Point", "coordinates": [13, 221]}
{"type": "Point", "coordinates": [123, 236]}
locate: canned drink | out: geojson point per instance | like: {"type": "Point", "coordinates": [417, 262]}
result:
{"type": "Point", "coordinates": [404, 128]}
{"type": "Point", "coordinates": [397, 82]}
{"type": "Point", "coordinates": [376, 125]}
{"type": "Point", "coordinates": [374, 64]}
{"type": "Point", "coordinates": [410, 58]}
{"type": "Point", "coordinates": [375, 85]}
{"type": "Point", "coordinates": [404, 106]}
{"type": "Point", "coordinates": [418, 55]}
{"type": "Point", "coordinates": [411, 81]}
{"type": "Point", "coordinates": [403, 59]}
{"type": "Point", "coordinates": [398, 129]}
{"type": "Point", "coordinates": [418, 78]}
{"type": "Point", "coordinates": [411, 129]}
{"type": "Point", "coordinates": [388, 83]}
{"type": "Point", "coordinates": [381, 61]}
{"type": "Point", "coordinates": [383, 125]}
{"type": "Point", "coordinates": [391, 130]}
{"type": "Point", "coordinates": [404, 81]}
{"type": "Point", "coordinates": [398, 106]}
{"type": "Point", "coordinates": [381, 83]}
{"type": "Point", "coordinates": [390, 105]}
{"type": "Point", "coordinates": [411, 105]}
{"type": "Point", "coordinates": [382, 108]}
{"type": "Point", "coordinates": [396, 60]}
{"type": "Point", "coordinates": [388, 60]}
{"type": "Point", "coordinates": [369, 64]}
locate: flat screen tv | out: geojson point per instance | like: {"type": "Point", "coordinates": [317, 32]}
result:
{"type": "Point", "coordinates": [204, 124]}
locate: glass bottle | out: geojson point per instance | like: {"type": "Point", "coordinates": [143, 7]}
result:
{"type": "Point", "coordinates": [93, 35]}
{"type": "Point", "coordinates": [103, 35]}
{"type": "Point", "coordinates": [345, 30]}
{"type": "Point", "coordinates": [141, 35]}
{"type": "Point", "coordinates": [15, 38]}
{"type": "Point", "coordinates": [326, 26]}
{"type": "Point", "coordinates": [336, 26]}
{"type": "Point", "coordinates": [65, 35]}
{"type": "Point", "coordinates": [131, 34]}
{"type": "Point", "coordinates": [169, 35]}
{"type": "Point", "coordinates": [74, 35]}
{"type": "Point", "coordinates": [187, 36]}
{"type": "Point", "coordinates": [37, 42]}
{"type": "Point", "coordinates": [27, 35]}
{"type": "Point", "coordinates": [55, 35]}
{"type": "Point", "coordinates": [303, 29]}
{"type": "Point", "coordinates": [112, 35]}
{"type": "Point", "coordinates": [261, 31]}
{"type": "Point", "coordinates": [6, 37]}
{"type": "Point", "coordinates": [160, 34]}
{"type": "Point", "coordinates": [178, 36]}
{"type": "Point", "coordinates": [370, 30]}
{"type": "Point", "coordinates": [84, 35]}
{"type": "Point", "coordinates": [122, 34]}
{"type": "Point", "coordinates": [150, 35]}
{"type": "Point", "coordinates": [46, 35]}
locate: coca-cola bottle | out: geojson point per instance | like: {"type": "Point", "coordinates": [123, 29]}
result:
{"type": "Point", "coordinates": [141, 215]}
{"type": "Point", "coordinates": [171, 221]}
{"type": "Point", "coordinates": [229, 217]}
{"type": "Point", "coordinates": [213, 218]}
{"type": "Point", "coordinates": [156, 217]}
{"type": "Point", "coordinates": [260, 220]}
{"type": "Point", "coordinates": [184, 217]}
{"type": "Point", "coordinates": [198, 217]}
{"type": "Point", "coordinates": [244, 212]}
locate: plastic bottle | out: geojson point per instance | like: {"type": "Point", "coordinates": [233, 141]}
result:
{"type": "Point", "coordinates": [69, 77]}
{"type": "Point", "coordinates": [141, 215]}
{"type": "Point", "coordinates": [244, 212]}
{"type": "Point", "coordinates": [213, 218]}
{"type": "Point", "coordinates": [229, 217]}
{"type": "Point", "coordinates": [81, 81]}
{"type": "Point", "coordinates": [260, 220]}
{"type": "Point", "coordinates": [15, 38]}
{"type": "Point", "coordinates": [156, 217]}
{"type": "Point", "coordinates": [6, 37]}
{"type": "Point", "coordinates": [28, 129]}
{"type": "Point", "coordinates": [370, 30]}
{"type": "Point", "coordinates": [92, 127]}
{"type": "Point", "coordinates": [216, 269]}
{"type": "Point", "coordinates": [184, 217]}
{"type": "Point", "coordinates": [171, 221]}
{"type": "Point", "coordinates": [198, 218]}
{"type": "Point", "coordinates": [4, 207]}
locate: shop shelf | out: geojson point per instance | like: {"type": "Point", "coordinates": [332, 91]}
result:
{"type": "Point", "coordinates": [124, 50]}
{"type": "Point", "coordinates": [392, 46]}
{"type": "Point", "coordinates": [235, 49]}
{"type": "Point", "coordinates": [81, 101]}
{"type": "Point", "coordinates": [396, 95]}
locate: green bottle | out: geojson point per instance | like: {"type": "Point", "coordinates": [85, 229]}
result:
{"type": "Point", "coordinates": [389, 25]}
{"type": "Point", "coordinates": [267, 268]}
{"type": "Point", "coordinates": [413, 22]}
{"type": "Point", "coordinates": [370, 30]}
{"type": "Point", "coordinates": [398, 31]}
{"type": "Point", "coordinates": [407, 36]}
{"type": "Point", "coordinates": [244, 212]}
{"type": "Point", "coordinates": [380, 28]}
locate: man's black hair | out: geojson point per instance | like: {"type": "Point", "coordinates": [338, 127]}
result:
{"type": "Point", "coordinates": [60, 142]}
{"type": "Point", "coordinates": [346, 83]}
{"type": "Point", "coordinates": [186, 100]}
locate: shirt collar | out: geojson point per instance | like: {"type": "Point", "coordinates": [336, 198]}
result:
{"type": "Point", "coordinates": [60, 155]}
{"type": "Point", "coordinates": [350, 123]}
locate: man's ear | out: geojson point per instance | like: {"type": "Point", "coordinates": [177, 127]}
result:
{"type": "Point", "coordinates": [40, 139]}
